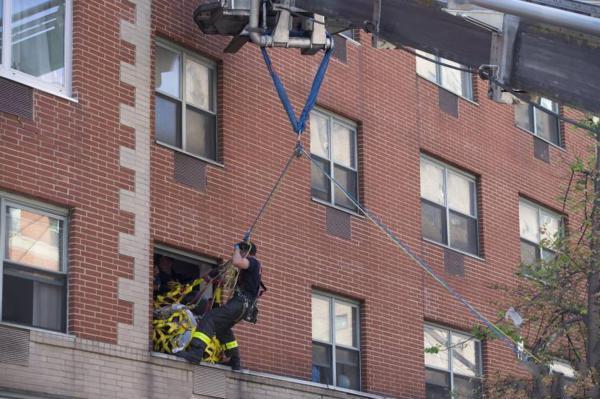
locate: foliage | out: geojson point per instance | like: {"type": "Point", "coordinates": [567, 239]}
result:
{"type": "Point", "coordinates": [433, 350]}
{"type": "Point", "coordinates": [553, 297]}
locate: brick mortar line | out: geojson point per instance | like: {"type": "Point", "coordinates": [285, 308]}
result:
{"type": "Point", "coordinates": [297, 384]}
{"type": "Point", "coordinates": [110, 350]}
{"type": "Point", "coordinates": [140, 356]}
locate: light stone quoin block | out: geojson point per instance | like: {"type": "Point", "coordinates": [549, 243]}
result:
{"type": "Point", "coordinates": [137, 159]}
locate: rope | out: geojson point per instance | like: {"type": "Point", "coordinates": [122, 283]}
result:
{"type": "Point", "coordinates": [298, 124]}
{"type": "Point", "coordinates": [421, 262]}
{"type": "Point", "coordinates": [297, 152]}
{"type": "Point", "coordinates": [485, 74]}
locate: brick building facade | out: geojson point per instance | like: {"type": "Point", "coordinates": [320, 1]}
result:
{"type": "Point", "coordinates": [83, 156]}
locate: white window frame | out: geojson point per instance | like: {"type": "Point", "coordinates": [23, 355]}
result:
{"type": "Point", "coordinates": [540, 209]}
{"type": "Point", "coordinates": [450, 368]}
{"type": "Point", "coordinates": [64, 91]}
{"type": "Point", "coordinates": [353, 38]}
{"type": "Point", "coordinates": [534, 130]}
{"type": "Point", "coordinates": [466, 77]}
{"type": "Point", "coordinates": [9, 200]}
{"type": "Point", "coordinates": [331, 117]}
{"type": "Point", "coordinates": [332, 299]}
{"type": "Point", "coordinates": [471, 178]}
{"type": "Point", "coordinates": [186, 54]}
{"type": "Point", "coordinates": [555, 109]}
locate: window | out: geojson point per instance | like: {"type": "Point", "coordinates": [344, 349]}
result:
{"type": "Point", "coordinates": [458, 82]}
{"type": "Point", "coordinates": [172, 266]}
{"type": "Point", "coordinates": [340, 49]}
{"type": "Point", "coordinates": [35, 43]}
{"type": "Point", "coordinates": [177, 266]}
{"type": "Point", "coordinates": [539, 228]}
{"type": "Point", "coordinates": [186, 104]}
{"type": "Point", "coordinates": [34, 266]}
{"type": "Point", "coordinates": [455, 370]}
{"type": "Point", "coordinates": [541, 124]}
{"type": "Point", "coordinates": [449, 206]}
{"type": "Point", "coordinates": [351, 34]}
{"type": "Point", "coordinates": [333, 146]}
{"type": "Point", "coordinates": [336, 352]}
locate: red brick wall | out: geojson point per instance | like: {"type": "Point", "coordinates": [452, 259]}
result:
{"type": "Point", "coordinates": [69, 156]}
{"type": "Point", "coordinates": [399, 116]}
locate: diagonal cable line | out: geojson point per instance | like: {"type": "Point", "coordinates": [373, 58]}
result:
{"type": "Point", "coordinates": [511, 343]}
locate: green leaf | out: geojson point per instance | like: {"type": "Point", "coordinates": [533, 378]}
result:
{"type": "Point", "coordinates": [480, 332]}
{"type": "Point", "coordinates": [433, 350]}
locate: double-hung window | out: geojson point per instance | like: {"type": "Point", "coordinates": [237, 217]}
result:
{"type": "Point", "coordinates": [186, 101]}
{"type": "Point", "coordinates": [35, 43]}
{"type": "Point", "coordinates": [351, 34]}
{"type": "Point", "coordinates": [454, 80]}
{"type": "Point", "coordinates": [335, 336]}
{"type": "Point", "coordinates": [449, 206]}
{"type": "Point", "coordinates": [539, 228]}
{"type": "Point", "coordinates": [538, 122]}
{"type": "Point", "coordinates": [34, 265]}
{"type": "Point", "coordinates": [333, 146]}
{"type": "Point", "coordinates": [454, 370]}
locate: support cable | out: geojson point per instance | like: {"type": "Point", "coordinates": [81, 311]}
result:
{"type": "Point", "coordinates": [295, 154]}
{"type": "Point", "coordinates": [511, 343]}
{"type": "Point", "coordinates": [299, 125]}
{"type": "Point", "coordinates": [485, 74]}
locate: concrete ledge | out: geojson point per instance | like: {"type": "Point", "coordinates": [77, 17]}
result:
{"type": "Point", "coordinates": [19, 394]}
{"type": "Point", "coordinates": [135, 366]}
{"type": "Point", "coordinates": [289, 383]}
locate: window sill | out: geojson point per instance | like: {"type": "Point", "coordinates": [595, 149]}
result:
{"type": "Point", "coordinates": [350, 40]}
{"type": "Point", "coordinates": [275, 377]}
{"type": "Point", "coordinates": [36, 84]}
{"type": "Point", "coordinates": [37, 329]}
{"type": "Point", "coordinates": [206, 160]}
{"type": "Point", "coordinates": [472, 102]}
{"type": "Point", "coordinates": [360, 394]}
{"type": "Point", "coordinates": [185, 363]}
{"type": "Point", "coordinates": [339, 208]}
{"type": "Point", "coordinates": [541, 138]}
{"type": "Point", "coordinates": [453, 249]}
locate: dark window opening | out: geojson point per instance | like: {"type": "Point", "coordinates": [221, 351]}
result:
{"type": "Point", "coordinates": [172, 271]}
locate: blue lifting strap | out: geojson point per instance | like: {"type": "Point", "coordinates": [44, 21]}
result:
{"type": "Point", "coordinates": [298, 124]}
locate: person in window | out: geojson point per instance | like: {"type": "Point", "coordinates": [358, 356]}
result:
{"type": "Point", "coordinates": [164, 274]}
{"type": "Point", "coordinates": [219, 321]}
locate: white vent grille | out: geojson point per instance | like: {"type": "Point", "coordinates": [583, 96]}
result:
{"type": "Point", "coordinates": [210, 382]}
{"type": "Point", "coordinates": [14, 346]}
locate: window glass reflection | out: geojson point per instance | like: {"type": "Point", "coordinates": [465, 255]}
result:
{"type": "Point", "coordinates": [33, 239]}
{"type": "Point", "coordinates": [38, 39]}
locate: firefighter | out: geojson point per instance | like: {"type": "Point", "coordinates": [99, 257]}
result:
{"type": "Point", "coordinates": [219, 321]}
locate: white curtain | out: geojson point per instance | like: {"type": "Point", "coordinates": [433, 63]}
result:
{"type": "Point", "coordinates": [48, 306]}
{"type": "Point", "coordinates": [38, 38]}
